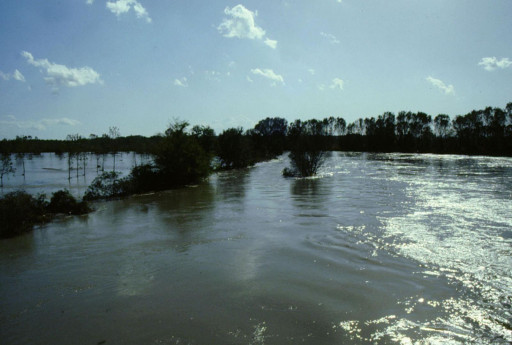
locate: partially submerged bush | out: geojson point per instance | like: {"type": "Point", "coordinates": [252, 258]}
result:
{"type": "Point", "coordinates": [107, 186]}
{"type": "Point", "coordinates": [306, 143]}
{"type": "Point", "coordinates": [19, 211]}
{"type": "Point", "coordinates": [304, 163]}
{"type": "Point", "coordinates": [63, 202]}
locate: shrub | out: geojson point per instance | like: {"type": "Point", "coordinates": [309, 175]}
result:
{"type": "Point", "coordinates": [63, 202]}
{"type": "Point", "coordinates": [107, 186]}
{"type": "Point", "coordinates": [19, 211]}
{"type": "Point", "coordinates": [306, 141]}
{"type": "Point", "coordinates": [145, 178]}
{"type": "Point", "coordinates": [180, 158]}
{"type": "Point", "coordinates": [234, 149]}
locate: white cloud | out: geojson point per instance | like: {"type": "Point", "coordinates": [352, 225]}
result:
{"type": "Point", "coordinates": [181, 82]}
{"type": "Point", "coordinates": [250, 80]}
{"type": "Point", "coordinates": [311, 71]}
{"type": "Point", "coordinates": [332, 39]}
{"type": "Point", "coordinates": [90, 2]}
{"type": "Point", "coordinates": [16, 75]}
{"type": "Point", "coordinates": [123, 6]}
{"type": "Point", "coordinates": [63, 75]}
{"type": "Point", "coordinates": [271, 43]}
{"type": "Point", "coordinates": [40, 125]}
{"type": "Point", "coordinates": [337, 83]}
{"type": "Point", "coordinates": [241, 24]}
{"type": "Point", "coordinates": [269, 74]}
{"type": "Point", "coordinates": [447, 89]}
{"type": "Point", "coordinates": [491, 63]}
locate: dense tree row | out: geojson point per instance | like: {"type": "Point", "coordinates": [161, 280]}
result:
{"type": "Point", "coordinates": [487, 131]}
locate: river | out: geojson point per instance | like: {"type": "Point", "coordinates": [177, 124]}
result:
{"type": "Point", "coordinates": [377, 249]}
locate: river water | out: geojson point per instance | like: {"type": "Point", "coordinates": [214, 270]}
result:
{"type": "Point", "coordinates": [378, 249]}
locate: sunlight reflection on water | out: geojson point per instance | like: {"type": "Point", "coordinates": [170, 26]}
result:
{"type": "Point", "coordinates": [377, 249]}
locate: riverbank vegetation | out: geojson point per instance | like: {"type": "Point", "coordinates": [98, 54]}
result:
{"type": "Point", "coordinates": [20, 211]}
{"type": "Point", "coordinates": [182, 156]}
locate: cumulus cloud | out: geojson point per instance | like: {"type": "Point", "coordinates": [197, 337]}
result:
{"type": "Point", "coordinates": [181, 82]}
{"type": "Point", "coordinates": [337, 83]}
{"type": "Point", "coordinates": [332, 39]}
{"type": "Point", "coordinates": [269, 74]}
{"type": "Point", "coordinates": [40, 125]}
{"type": "Point", "coordinates": [240, 23]}
{"type": "Point", "coordinates": [16, 75]}
{"type": "Point", "coordinates": [492, 63]}
{"type": "Point", "coordinates": [124, 6]}
{"type": "Point", "coordinates": [62, 75]}
{"type": "Point", "coordinates": [90, 2]}
{"type": "Point", "coordinates": [447, 89]}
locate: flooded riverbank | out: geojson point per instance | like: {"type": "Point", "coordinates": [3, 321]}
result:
{"type": "Point", "coordinates": [379, 248]}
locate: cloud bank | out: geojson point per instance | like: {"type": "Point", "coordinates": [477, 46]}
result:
{"type": "Point", "coordinates": [62, 75]}
{"type": "Point", "coordinates": [240, 23]}
{"type": "Point", "coordinates": [40, 125]}
{"type": "Point", "coordinates": [447, 89]}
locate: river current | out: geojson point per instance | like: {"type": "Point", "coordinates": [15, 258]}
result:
{"type": "Point", "coordinates": [377, 249]}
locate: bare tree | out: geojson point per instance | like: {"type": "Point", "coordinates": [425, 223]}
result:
{"type": "Point", "coordinates": [5, 167]}
{"type": "Point", "coordinates": [113, 133]}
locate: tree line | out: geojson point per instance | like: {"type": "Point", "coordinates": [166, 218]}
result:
{"type": "Point", "coordinates": [480, 132]}
{"type": "Point", "coordinates": [184, 156]}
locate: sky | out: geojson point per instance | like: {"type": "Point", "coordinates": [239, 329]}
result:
{"type": "Point", "coordinates": [82, 66]}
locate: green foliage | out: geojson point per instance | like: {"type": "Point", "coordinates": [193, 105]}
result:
{"type": "Point", "coordinates": [269, 137]}
{"type": "Point", "coordinates": [107, 186]}
{"type": "Point", "coordinates": [63, 202]}
{"type": "Point", "coordinates": [20, 211]}
{"type": "Point", "coordinates": [234, 149]}
{"type": "Point", "coordinates": [306, 148]}
{"type": "Point", "coordinates": [205, 136]}
{"type": "Point", "coordinates": [180, 159]}
{"type": "Point", "coordinates": [146, 178]}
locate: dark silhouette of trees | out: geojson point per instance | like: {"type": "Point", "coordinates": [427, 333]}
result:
{"type": "Point", "coordinates": [269, 137]}
{"type": "Point", "coordinates": [180, 159]}
{"type": "Point", "coordinates": [206, 137]}
{"type": "Point", "coordinates": [306, 141]}
{"type": "Point", "coordinates": [234, 149]}
{"type": "Point", "coordinates": [485, 132]}
{"type": "Point", "coordinates": [20, 211]}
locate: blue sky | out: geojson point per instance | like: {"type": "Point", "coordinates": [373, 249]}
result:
{"type": "Point", "coordinates": [81, 66]}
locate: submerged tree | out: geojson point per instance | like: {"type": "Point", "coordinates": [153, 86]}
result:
{"type": "Point", "coordinates": [113, 134]}
{"type": "Point", "coordinates": [306, 143]}
{"type": "Point", "coordinates": [180, 159]}
{"type": "Point", "coordinates": [6, 167]}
